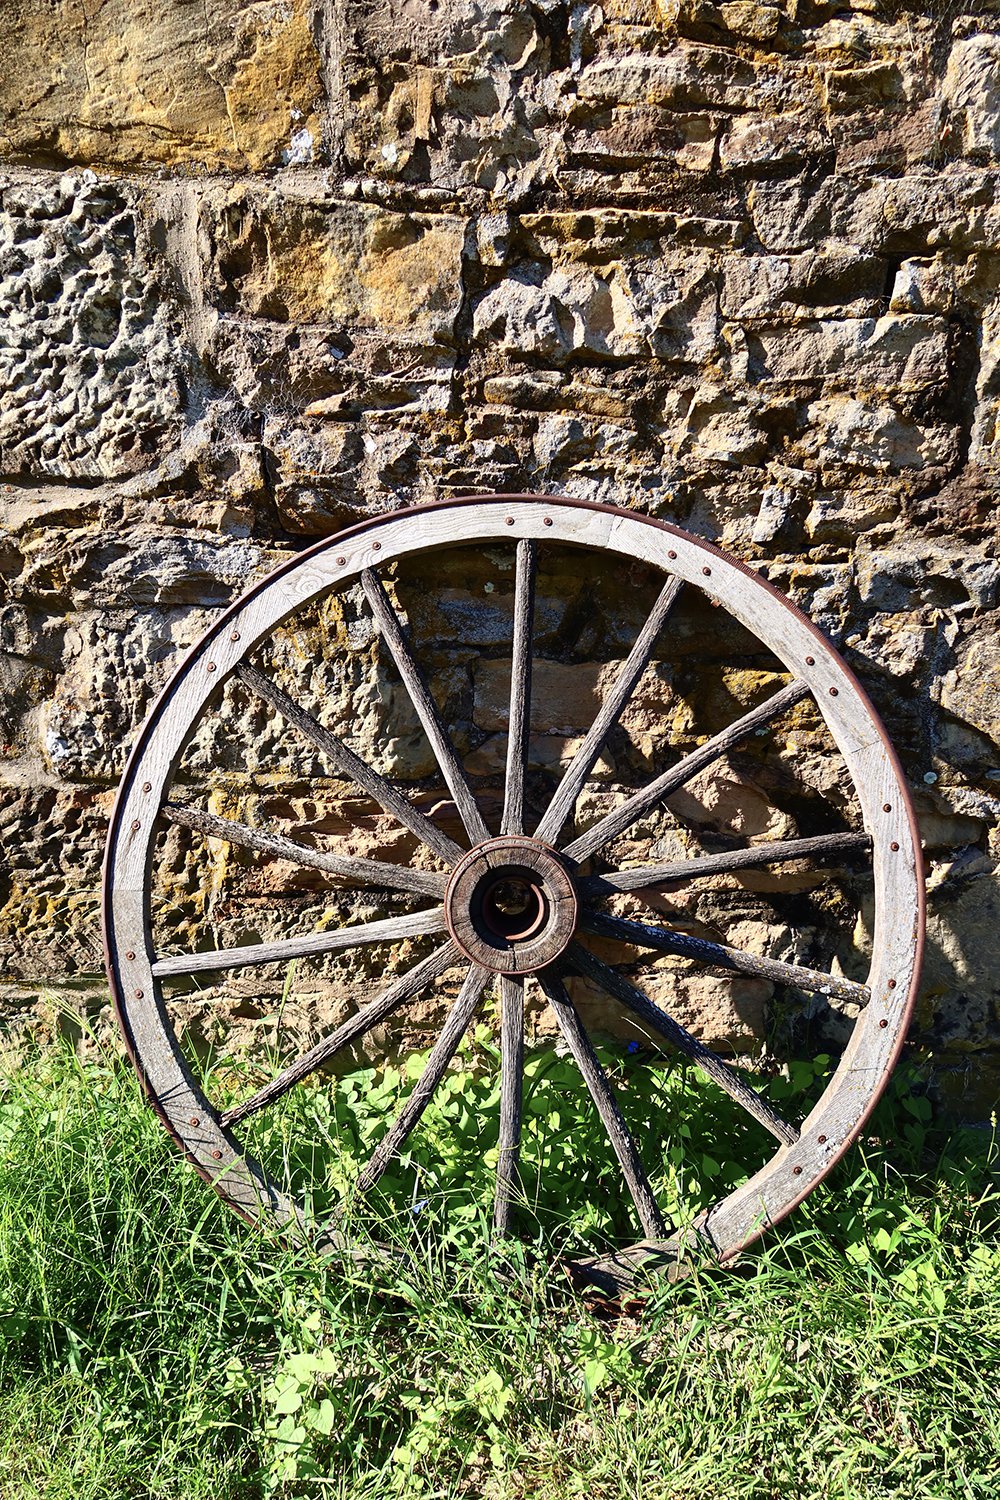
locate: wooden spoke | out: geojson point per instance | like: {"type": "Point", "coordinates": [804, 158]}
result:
{"type": "Point", "coordinates": [348, 764]}
{"type": "Point", "coordinates": [355, 1026]}
{"type": "Point", "coordinates": [387, 930]}
{"type": "Point", "coordinates": [416, 685]}
{"type": "Point", "coordinates": [519, 720]}
{"type": "Point", "coordinates": [568, 790]}
{"type": "Point", "coordinates": [511, 1087]}
{"type": "Point", "coordinates": [360, 871]}
{"type": "Point", "coordinates": [624, 816]}
{"type": "Point", "coordinates": [678, 1036]}
{"type": "Point", "coordinates": [668, 941]}
{"type": "Point", "coordinates": [442, 1052]}
{"type": "Point", "coordinates": [644, 877]}
{"type": "Point", "coordinates": [596, 1079]}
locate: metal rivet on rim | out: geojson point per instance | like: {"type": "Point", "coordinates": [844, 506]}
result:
{"type": "Point", "coordinates": [210, 666]}
{"type": "Point", "coordinates": [130, 954]}
{"type": "Point", "coordinates": [235, 636]}
{"type": "Point", "coordinates": [821, 1139]}
{"type": "Point", "coordinates": [376, 546]}
{"type": "Point", "coordinates": [810, 661]}
{"type": "Point", "coordinates": [217, 1155]}
{"type": "Point", "coordinates": [707, 572]}
{"type": "Point", "coordinates": [341, 561]}
{"type": "Point", "coordinates": [892, 984]}
{"type": "Point", "coordinates": [194, 1120]}
{"type": "Point", "coordinates": [147, 786]}
{"type": "Point", "coordinates": [797, 1171]}
{"type": "Point", "coordinates": [887, 807]}
{"type": "Point", "coordinates": [138, 994]}
{"type": "Point", "coordinates": [833, 692]}
{"type": "Point", "coordinates": [509, 520]}
{"type": "Point", "coordinates": [883, 1024]}
{"type": "Point", "coordinates": [672, 554]}
{"type": "Point", "coordinates": [136, 825]}
{"type": "Point", "coordinates": [894, 846]}
{"type": "Point", "coordinates": [546, 520]}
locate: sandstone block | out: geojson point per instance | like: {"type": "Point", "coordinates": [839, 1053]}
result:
{"type": "Point", "coordinates": [837, 517]}
{"type": "Point", "coordinates": [112, 672]}
{"type": "Point", "coordinates": [92, 356]}
{"type": "Point", "coordinates": [867, 435]}
{"type": "Point", "coordinates": [971, 92]}
{"type": "Point", "coordinates": [788, 139]}
{"type": "Point", "coordinates": [728, 1014]}
{"type": "Point", "coordinates": [634, 138]}
{"type": "Point", "coordinates": [687, 77]}
{"type": "Point", "coordinates": [49, 919]}
{"type": "Point", "coordinates": [521, 317]}
{"type": "Point", "coordinates": [844, 283]}
{"type": "Point", "coordinates": [791, 215]}
{"type": "Point", "coordinates": [132, 82]}
{"type": "Point", "coordinates": [898, 579]}
{"type": "Point", "coordinates": [316, 478]}
{"type": "Point", "coordinates": [888, 353]}
{"type": "Point", "coordinates": [641, 307]}
{"type": "Point", "coordinates": [970, 692]}
{"type": "Point", "coordinates": [729, 801]}
{"type": "Point", "coordinates": [923, 286]}
{"type": "Point", "coordinates": [957, 919]}
{"type": "Point", "coordinates": [852, 88]}
{"type": "Point", "coordinates": [721, 428]}
{"type": "Point", "coordinates": [353, 265]}
{"type": "Point", "coordinates": [463, 101]}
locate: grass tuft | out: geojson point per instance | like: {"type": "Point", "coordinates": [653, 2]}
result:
{"type": "Point", "coordinates": [152, 1346]}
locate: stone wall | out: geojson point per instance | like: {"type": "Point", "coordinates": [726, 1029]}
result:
{"type": "Point", "coordinates": [267, 269]}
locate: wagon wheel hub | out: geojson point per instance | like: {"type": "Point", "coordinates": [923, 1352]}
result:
{"type": "Point", "coordinates": [511, 906]}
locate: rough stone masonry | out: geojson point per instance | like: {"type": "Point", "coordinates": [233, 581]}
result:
{"type": "Point", "coordinates": [266, 269]}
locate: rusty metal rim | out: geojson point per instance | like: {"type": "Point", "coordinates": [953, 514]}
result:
{"type": "Point", "coordinates": [373, 524]}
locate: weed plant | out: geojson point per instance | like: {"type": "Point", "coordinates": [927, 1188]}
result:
{"type": "Point", "coordinates": [153, 1346]}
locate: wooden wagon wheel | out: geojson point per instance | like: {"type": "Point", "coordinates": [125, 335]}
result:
{"type": "Point", "coordinates": [523, 899]}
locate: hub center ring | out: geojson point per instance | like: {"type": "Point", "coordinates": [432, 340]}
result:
{"type": "Point", "coordinates": [511, 905]}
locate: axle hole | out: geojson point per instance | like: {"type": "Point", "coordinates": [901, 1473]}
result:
{"type": "Point", "coordinates": [513, 907]}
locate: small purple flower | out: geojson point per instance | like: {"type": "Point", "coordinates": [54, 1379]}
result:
{"type": "Point", "coordinates": [632, 1047]}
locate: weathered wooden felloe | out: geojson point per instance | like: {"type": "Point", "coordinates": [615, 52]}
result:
{"type": "Point", "coordinates": [521, 904]}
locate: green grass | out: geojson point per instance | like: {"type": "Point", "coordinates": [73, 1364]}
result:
{"type": "Point", "coordinates": [152, 1346]}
